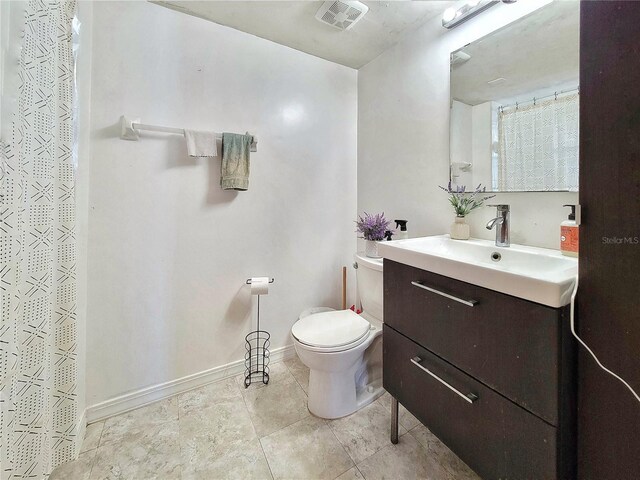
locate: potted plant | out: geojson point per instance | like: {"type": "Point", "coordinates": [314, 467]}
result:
{"type": "Point", "coordinates": [373, 229]}
{"type": "Point", "coordinates": [464, 203]}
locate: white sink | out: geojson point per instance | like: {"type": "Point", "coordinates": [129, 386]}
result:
{"type": "Point", "coordinates": [538, 274]}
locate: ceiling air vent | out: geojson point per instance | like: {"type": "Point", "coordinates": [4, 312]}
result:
{"type": "Point", "coordinates": [341, 14]}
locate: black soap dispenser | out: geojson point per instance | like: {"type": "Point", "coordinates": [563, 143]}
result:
{"type": "Point", "coordinates": [402, 225]}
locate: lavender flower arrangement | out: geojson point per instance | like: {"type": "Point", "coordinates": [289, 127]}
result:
{"type": "Point", "coordinates": [464, 202]}
{"type": "Point", "coordinates": [372, 227]}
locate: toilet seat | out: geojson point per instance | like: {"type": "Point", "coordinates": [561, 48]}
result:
{"type": "Point", "coordinates": [333, 331]}
{"type": "Point", "coordinates": [339, 349]}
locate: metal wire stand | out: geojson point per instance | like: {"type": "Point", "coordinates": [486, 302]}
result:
{"type": "Point", "coordinates": [256, 358]}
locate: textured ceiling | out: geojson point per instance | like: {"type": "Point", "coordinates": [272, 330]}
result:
{"type": "Point", "coordinates": [540, 51]}
{"type": "Point", "coordinates": [293, 23]}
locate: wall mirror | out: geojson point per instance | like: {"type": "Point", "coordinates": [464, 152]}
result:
{"type": "Point", "coordinates": [514, 105]}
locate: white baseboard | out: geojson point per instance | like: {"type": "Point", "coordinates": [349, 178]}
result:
{"type": "Point", "coordinates": [145, 396]}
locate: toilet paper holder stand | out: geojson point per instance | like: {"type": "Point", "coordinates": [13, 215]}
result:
{"type": "Point", "coordinates": [256, 357]}
{"type": "Point", "coordinates": [248, 282]}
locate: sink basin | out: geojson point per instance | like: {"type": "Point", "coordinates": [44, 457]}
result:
{"type": "Point", "coordinates": [537, 274]}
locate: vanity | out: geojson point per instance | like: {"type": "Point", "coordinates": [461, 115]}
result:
{"type": "Point", "coordinates": [477, 345]}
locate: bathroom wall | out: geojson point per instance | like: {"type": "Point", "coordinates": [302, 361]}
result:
{"type": "Point", "coordinates": [461, 141]}
{"type": "Point", "coordinates": [83, 86]}
{"type": "Point", "coordinates": [169, 251]}
{"type": "Point", "coordinates": [403, 136]}
{"type": "Point", "coordinates": [482, 144]}
{"type": "Point", "coordinates": [471, 142]}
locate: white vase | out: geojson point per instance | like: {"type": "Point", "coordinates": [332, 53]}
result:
{"type": "Point", "coordinates": [460, 229]}
{"type": "Point", "coordinates": [371, 248]}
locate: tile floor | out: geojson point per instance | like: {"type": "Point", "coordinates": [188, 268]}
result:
{"type": "Point", "coordinates": [224, 431]}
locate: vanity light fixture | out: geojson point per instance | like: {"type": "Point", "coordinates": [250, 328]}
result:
{"type": "Point", "coordinates": [454, 16]}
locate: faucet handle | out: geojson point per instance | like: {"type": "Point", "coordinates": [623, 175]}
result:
{"type": "Point", "coordinates": [501, 207]}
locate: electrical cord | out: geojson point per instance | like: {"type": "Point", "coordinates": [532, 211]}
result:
{"type": "Point", "coordinates": [573, 331]}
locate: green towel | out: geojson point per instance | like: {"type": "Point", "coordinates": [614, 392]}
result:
{"type": "Point", "coordinates": [234, 174]}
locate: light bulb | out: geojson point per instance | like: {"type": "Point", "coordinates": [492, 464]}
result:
{"type": "Point", "coordinates": [449, 14]}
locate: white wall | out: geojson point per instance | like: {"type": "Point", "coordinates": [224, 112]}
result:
{"type": "Point", "coordinates": [471, 142]}
{"type": "Point", "coordinates": [403, 136]}
{"type": "Point", "coordinates": [169, 251]}
{"type": "Point", "coordinates": [481, 144]}
{"type": "Point", "coordinates": [461, 131]}
{"type": "Point", "coordinates": [83, 85]}
{"type": "Point", "coordinates": [461, 142]}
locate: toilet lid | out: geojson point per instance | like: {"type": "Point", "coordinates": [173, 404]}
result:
{"type": "Point", "coordinates": [330, 329]}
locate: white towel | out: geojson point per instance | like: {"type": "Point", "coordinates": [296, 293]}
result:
{"type": "Point", "coordinates": [201, 144]}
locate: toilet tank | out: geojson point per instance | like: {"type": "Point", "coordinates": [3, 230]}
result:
{"type": "Point", "coordinates": [370, 290]}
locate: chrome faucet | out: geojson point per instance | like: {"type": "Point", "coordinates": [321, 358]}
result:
{"type": "Point", "coordinates": [501, 222]}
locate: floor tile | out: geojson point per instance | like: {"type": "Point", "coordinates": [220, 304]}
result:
{"type": "Point", "coordinates": [300, 372]}
{"type": "Point", "coordinates": [218, 424]}
{"type": "Point", "coordinates": [224, 431]}
{"type": "Point", "coordinates": [135, 421]}
{"type": "Point", "coordinates": [220, 442]}
{"type": "Point", "coordinates": [219, 392]}
{"type": "Point", "coordinates": [150, 453]}
{"type": "Point", "coordinates": [407, 460]}
{"type": "Point", "coordinates": [278, 373]}
{"type": "Point", "coordinates": [405, 418]}
{"type": "Point", "coordinates": [92, 436]}
{"type": "Point", "coordinates": [352, 474]}
{"type": "Point", "coordinates": [241, 462]}
{"type": "Point", "coordinates": [364, 432]}
{"type": "Point", "coordinates": [306, 450]}
{"type": "Point", "coordinates": [79, 469]}
{"type": "Point", "coordinates": [276, 406]}
{"type": "Point", "coordinates": [443, 455]}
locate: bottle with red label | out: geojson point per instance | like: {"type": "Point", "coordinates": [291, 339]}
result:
{"type": "Point", "coordinates": [569, 239]}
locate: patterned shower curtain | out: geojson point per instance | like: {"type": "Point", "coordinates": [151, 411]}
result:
{"type": "Point", "coordinates": [38, 333]}
{"type": "Point", "coordinates": [538, 146]}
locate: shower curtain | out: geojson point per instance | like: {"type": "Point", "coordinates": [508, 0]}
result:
{"type": "Point", "coordinates": [39, 417]}
{"type": "Point", "coordinates": [538, 146]}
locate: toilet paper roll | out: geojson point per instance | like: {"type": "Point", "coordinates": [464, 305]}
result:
{"type": "Point", "coordinates": [260, 286]}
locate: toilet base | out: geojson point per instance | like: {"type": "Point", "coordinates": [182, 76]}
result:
{"type": "Point", "coordinates": [328, 399]}
{"type": "Point", "coordinates": [369, 394]}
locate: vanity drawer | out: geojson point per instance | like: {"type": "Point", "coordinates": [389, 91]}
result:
{"type": "Point", "coordinates": [509, 344]}
{"type": "Point", "coordinates": [493, 435]}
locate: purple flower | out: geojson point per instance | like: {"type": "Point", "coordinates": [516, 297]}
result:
{"type": "Point", "coordinates": [464, 202]}
{"type": "Point", "coordinates": [372, 227]}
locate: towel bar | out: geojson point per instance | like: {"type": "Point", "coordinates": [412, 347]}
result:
{"type": "Point", "coordinates": [130, 130]}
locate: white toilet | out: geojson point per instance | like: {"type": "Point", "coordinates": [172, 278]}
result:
{"type": "Point", "coordinates": [343, 350]}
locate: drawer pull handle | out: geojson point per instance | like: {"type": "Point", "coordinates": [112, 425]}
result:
{"type": "Point", "coordinates": [469, 303]}
{"type": "Point", "coordinates": [469, 397]}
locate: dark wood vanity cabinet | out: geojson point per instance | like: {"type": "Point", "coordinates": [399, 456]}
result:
{"type": "Point", "coordinates": [493, 378]}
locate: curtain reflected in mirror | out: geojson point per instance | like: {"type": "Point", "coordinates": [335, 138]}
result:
{"type": "Point", "coordinates": [538, 146]}
{"type": "Point", "coordinates": [515, 105]}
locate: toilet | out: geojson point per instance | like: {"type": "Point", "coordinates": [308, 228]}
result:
{"type": "Point", "coordinates": [343, 349]}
